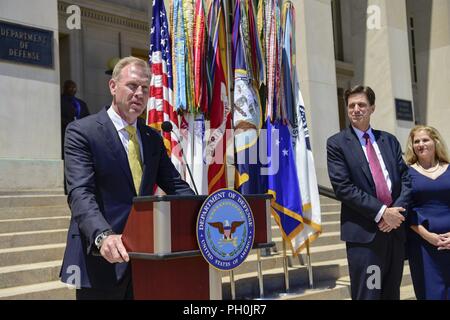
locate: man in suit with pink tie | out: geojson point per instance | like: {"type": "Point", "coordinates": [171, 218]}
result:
{"type": "Point", "coordinates": [370, 178]}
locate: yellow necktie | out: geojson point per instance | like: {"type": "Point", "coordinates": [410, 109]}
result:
{"type": "Point", "coordinates": [134, 157]}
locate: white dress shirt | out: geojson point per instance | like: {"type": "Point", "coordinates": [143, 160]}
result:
{"type": "Point", "coordinates": [120, 126]}
{"type": "Point", "coordinates": [362, 140]}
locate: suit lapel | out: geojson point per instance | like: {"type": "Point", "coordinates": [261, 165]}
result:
{"type": "Point", "coordinates": [113, 142]}
{"type": "Point", "coordinates": [358, 153]}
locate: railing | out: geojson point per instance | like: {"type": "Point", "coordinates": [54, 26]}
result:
{"type": "Point", "coordinates": [327, 192]}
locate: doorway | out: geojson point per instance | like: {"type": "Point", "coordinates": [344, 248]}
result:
{"type": "Point", "coordinates": [343, 119]}
{"type": "Point", "coordinates": [64, 59]}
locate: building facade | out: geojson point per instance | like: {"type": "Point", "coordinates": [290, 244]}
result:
{"type": "Point", "coordinates": [401, 48]}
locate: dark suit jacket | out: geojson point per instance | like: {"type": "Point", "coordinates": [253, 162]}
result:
{"type": "Point", "coordinates": [100, 191]}
{"type": "Point", "coordinates": [353, 184]}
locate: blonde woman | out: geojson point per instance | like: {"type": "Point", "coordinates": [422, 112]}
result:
{"type": "Point", "coordinates": [429, 217]}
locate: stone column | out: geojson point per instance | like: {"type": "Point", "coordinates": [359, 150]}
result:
{"type": "Point", "coordinates": [432, 34]}
{"type": "Point", "coordinates": [30, 134]}
{"type": "Point", "coordinates": [381, 59]}
{"type": "Point", "coordinates": [317, 73]}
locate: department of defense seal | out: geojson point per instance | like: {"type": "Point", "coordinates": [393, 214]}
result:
{"type": "Point", "coordinates": [225, 229]}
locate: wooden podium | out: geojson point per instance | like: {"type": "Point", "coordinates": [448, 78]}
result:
{"type": "Point", "coordinates": [160, 237]}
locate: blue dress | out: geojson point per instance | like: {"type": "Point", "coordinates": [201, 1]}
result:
{"type": "Point", "coordinates": [430, 268]}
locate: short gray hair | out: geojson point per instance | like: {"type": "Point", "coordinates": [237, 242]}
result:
{"type": "Point", "coordinates": [127, 61]}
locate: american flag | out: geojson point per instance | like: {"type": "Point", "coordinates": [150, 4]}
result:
{"type": "Point", "coordinates": [160, 104]}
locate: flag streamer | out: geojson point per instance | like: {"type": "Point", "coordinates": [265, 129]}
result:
{"type": "Point", "coordinates": [265, 94]}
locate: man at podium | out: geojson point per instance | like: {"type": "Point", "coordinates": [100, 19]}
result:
{"type": "Point", "coordinates": [110, 158]}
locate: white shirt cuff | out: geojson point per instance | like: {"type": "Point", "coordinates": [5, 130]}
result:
{"type": "Point", "coordinates": [380, 213]}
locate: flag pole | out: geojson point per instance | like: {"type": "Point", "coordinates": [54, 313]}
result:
{"type": "Point", "coordinates": [285, 266]}
{"type": "Point", "coordinates": [227, 28]}
{"type": "Point", "coordinates": [310, 273]}
{"type": "Point", "coordinates": [260, 276]}
{"type": "Point", "coordinates": [232, 284]}
{"type": "Point", "coordinates": [230, 77]}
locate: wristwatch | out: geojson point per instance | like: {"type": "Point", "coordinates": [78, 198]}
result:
{"type": "Point", "coordinates": [102, 236]}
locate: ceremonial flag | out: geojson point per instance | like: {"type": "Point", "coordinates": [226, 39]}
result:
{"type": "Point", "coordinates": [304, 160]}
{"type": "Point", "coordinates": [200, 88]}
{"type": "Point", "coordinates": [193, 139]}
{"type": "Point", "coordinates": [247, 115]}
{"type": "Point", "coordinates": [160, 103]}
{"type": "Point", "coordinates": [188, 15]}
{"type": "Point", "coordinates": [219, 111]}
{"type": "Point", "coordinates": [307, 179]}
{"type": "Point", "coordinates": [180, 56]}
{"type": "Point", "coordinates": [283, 183]}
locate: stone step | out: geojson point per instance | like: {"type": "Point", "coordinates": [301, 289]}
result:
{"type": "Point", "coordinates": [330, 291]}
{"type": "Point", "coordinates": [406, 280]}
{"type": "Point", "coordinates": [324, 256]}
{"type": "Point", "coordinates": [275, 259]}
{"type": "Point", "coordinates": [406, 287]}
{"type": "Point", "coordinates": [322, 240]}
{"type": "Point", "coordinates": [329, 269]}
{"type": "Point", "coordinates": [26, 274]}
{"type": "Point", "coordinates": [326, 200]}
{"type": "Point", "coordinates": [326, 239]}
{"type": "Point", "coordinates": [326, 216]}
{"type": "Point", "coordinates": [406, 293]}
{"type": "Point", "coordinates": [331, 226]}
{"type": "Point", "coordinates": [331, 281]}
{"type": "Point", "coordinates": [34, 212]}
{"type": "Point", "coordinates": [247, 285]}
{"type": "Point", "coordinates": [327, 207]}
{"type": "Point", "coordinates": [31, 238]}
{"type": "Point", "coordinates": [52, 290]}
{"type": "Point", "coordinates": [32, 192]}
{"type": "Point", "coordinates": [32, 200]}
{"type": "Point", "coordinates": [322, 253]}
{"type": "Point", "coordinates": [326, 290]}
{"type": "Point", "coordinates": [331, 216]}
{"type": "Point", "coordinates": [33, 224]}
{"type": "Point", "coordinates": [31, 254]}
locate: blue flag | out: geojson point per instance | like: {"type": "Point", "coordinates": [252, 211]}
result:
{"type": "Point", "coordinates": [283, 182]}
{"type": "Point", "coordinates": [303, 156]}
{"type": "Point", "coordinates": [247, 115]}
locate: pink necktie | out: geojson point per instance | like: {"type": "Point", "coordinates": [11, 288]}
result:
{"type": "Point", "coordinates": [381, 186]}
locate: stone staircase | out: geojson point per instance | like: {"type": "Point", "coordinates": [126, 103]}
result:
{"type": "Point", "coordinates": [329, 265]}
{"type": "Point", "coordinates": [33, 233]}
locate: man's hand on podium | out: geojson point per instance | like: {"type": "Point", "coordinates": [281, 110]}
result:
{"type": "Point", "coordinates": [113, 250]}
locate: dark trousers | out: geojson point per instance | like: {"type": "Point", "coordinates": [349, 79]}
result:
{"type": "Point", "coordinates": [376, 268]}
{"type": "Point", "coordinates": [121, 291]}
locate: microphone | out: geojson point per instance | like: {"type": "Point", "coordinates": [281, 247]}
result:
{"type": "Point", "coordinates": [166, 126]}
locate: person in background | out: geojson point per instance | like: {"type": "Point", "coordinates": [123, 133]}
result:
{"type": "Point", "coordinates": [428, 236]}
{"type": "Point", "coordinates": [72, 108]}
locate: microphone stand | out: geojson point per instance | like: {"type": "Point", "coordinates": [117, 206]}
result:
{"type": "Point", "coordinates": [184, 158]}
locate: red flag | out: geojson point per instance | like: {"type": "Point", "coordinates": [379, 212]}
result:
{"type": "Point", "coordinates": [220, 119]}
{"type": "Point", "coordinates": [200, 94]}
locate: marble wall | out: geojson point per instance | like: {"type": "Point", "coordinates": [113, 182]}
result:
{"type": "Point", "coordinates": [30, 149]}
